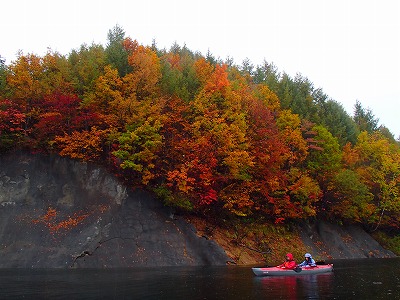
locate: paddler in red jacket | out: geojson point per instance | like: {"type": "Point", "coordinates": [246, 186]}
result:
{"type": "Point", "coordinates": [289, 263]}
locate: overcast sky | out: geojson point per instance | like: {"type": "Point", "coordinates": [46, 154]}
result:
{"type": "Point", "coordinates": [349, 48]}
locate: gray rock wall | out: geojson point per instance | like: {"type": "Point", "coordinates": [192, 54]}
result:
{"type": "Point", "coordinates": [60, 213]}
{"type": "Point", "coordinates": [331, 241]}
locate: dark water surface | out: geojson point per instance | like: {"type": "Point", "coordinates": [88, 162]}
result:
{"type": "Point", "coordinates": [351, 279]}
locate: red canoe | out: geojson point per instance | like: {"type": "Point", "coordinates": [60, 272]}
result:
{"type": "Point", "coordinates": [274, 271]}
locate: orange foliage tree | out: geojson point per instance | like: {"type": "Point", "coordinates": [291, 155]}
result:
{"type": "Point", "coordinates": [84, 145]}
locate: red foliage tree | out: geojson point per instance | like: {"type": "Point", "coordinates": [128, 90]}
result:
{"type": "Point", "coordinates": [12, 124]}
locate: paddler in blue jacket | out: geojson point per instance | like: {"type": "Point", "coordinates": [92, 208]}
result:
{"type": "Point", "coordinates": [308, 261]}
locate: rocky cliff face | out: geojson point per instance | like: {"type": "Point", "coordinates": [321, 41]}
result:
{"type": "Point", "coordinates": [57, 212]}
{"type": "Point", "coordinates": [60, 213]}
{"type": "Point", "coordinates": [330, 241]}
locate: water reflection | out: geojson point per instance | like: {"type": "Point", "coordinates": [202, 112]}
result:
{"type": "Point", "coordinates": [351, 279]}
{"type": "Point", "coordinates": [315, 286]}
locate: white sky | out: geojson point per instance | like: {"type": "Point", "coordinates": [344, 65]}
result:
{"type": "Point", "coordinates": [349, 48]}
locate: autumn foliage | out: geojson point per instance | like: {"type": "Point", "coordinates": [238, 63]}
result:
{"type": "Point", "coordinates": [206, 136]}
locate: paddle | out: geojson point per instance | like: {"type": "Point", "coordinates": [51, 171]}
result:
{"type": "Point", "coordinates": [297, 269]}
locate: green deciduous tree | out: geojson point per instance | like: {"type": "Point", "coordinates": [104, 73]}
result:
{"type": "Point", "coordinates": [138, 148]}
{"type": "Point", "coordinates": [56, 76]}
{"type": "Point", "coordinates": [352, 201]}
{"type": "Point", "coordinates": [86, 64]}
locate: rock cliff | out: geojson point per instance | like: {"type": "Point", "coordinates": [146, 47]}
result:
{"type": "Point", "coordinates": [60, 213]}
{"type": "Point", "coordinates": [56, 212]}
{"type": "Point", "coordinates": [331, 241]}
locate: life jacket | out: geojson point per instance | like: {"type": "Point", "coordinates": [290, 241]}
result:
{"type": "Point", "coordinates": [289, 263]}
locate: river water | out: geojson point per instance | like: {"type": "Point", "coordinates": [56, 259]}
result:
{"type": "Point", "coordinates": [351, 279]}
